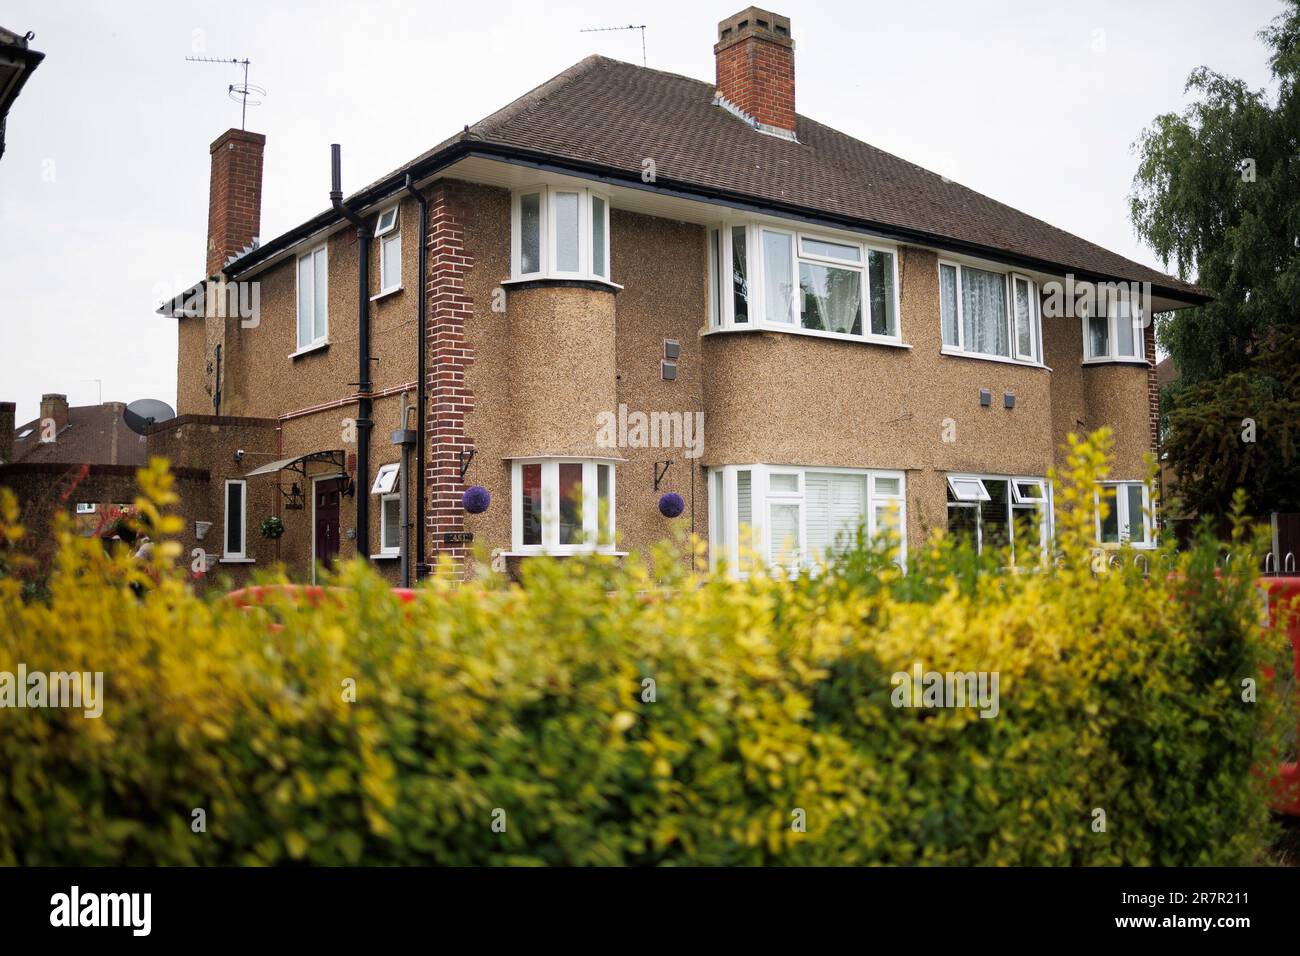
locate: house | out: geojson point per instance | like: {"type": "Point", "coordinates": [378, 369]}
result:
{"type": "Point", "coordinates": [629, 284]}
{"type": "Point", "coordinates": [81, 459]}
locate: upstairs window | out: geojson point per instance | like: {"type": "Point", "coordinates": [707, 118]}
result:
{"type": "Point", "coordinates": [390, 251]}
{"type": "Point", "coordinates": [562, 506]}
{"type": "Point", "coordinates": [784, 279]}
{"type": "Point", "coordinates": [1113, 331]}
{"type": "Point", "coordinates": [989, 313]}
{"type": "Point", "coordinates": [313, 298]}
{"type": "Point", "coordinates": [560, 232]}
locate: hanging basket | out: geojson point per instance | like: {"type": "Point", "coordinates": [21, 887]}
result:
{"type": "Point", "coordinates": [671, 504]}
{"type": "Point", "coordinates": [476, 499]}
{"type": "Point", "coordinates": [272, 527]}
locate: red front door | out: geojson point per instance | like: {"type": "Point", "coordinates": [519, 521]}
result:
{"type": "Point", "coordinates": [327, 520]}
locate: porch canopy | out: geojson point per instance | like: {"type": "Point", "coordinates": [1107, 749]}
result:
{"type": "Point", "coordinates": [316, 464]}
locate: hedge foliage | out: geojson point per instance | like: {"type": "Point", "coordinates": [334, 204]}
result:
{"type": "Point", "coordinates": [530, 706]}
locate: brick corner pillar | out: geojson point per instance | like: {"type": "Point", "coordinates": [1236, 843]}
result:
{"type": "Point", "coordinates": [234, 195]}
{"type": "Point", "coordinates": [1153, 386]}
{"type": "Point", "coordinates": [447, 399]}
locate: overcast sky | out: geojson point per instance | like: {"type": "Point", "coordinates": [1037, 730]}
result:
{"type": "Point", "coordinates": [104, 184]}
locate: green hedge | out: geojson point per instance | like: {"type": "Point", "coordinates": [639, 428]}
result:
{"type": "Point", "coordinates": [529, 705]}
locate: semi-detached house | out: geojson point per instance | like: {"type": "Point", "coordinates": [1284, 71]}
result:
{"type": "Point", "coordinates": [548, 303]}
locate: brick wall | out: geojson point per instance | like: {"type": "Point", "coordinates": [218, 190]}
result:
{"type": "Point", "coordinates": [447, 396]}
{"type": "Point", "coordinates": [235, 195]}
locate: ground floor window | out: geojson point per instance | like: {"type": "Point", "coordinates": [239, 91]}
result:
{"type": "Point", "coordinates": [995, 511]}
{"type": "Point", "coordinates": [793, 517]}
{"type": "Point", "coordinates": [236, 500]}
{"type": "Point", "coordinates": [1128, 518]}
{"type": "Point", "coordinates": [390, 524]}
{"type": "Point", "coordinates": [562, 506]}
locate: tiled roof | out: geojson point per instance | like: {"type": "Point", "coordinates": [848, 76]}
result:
{"type": "Point", "coordinates": [614, 115]}
{"type": "Point", "coordinates": [94, 435]}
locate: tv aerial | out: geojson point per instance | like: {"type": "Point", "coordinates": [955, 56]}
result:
{"type": "Point", "coordinates": [246, 94]}
{"type": "Point", "coordinates": [618, 29]}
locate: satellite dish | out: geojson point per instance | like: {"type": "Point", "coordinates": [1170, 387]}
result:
{"type": "Point", "coordinates": [144, 412]}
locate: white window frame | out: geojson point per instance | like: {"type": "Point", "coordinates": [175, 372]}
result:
{"type": "Point", "coordinates": [386, 547]}
{"type": "Point", "coordinates": [386, 479]}
{"type": "Point", "coordinates": [1123, 520]}
{"type": "Point", "coordinates": [551, 507]}
{"type": "Point", "coordinates": [386, 234]}
{"type": "Point", "coordinates": [1009, 278]}
{"type": "Point", "coordinates": [721, 305]}
{"type": "Point", "coordinates": [968, 488]}
{"type": "Point", "coordinates": [724, 524]}
{"type": "Point", "coordinates": [1112, 335]}
{"type": "Point", "coordinates": [242, 553]}
{"type": "Point", "coordinates": [323, 263]}
{"type": "Point", "coordinates": [86, 507]}
{"type": "Point", "coordinates": [548, 239]}
{"type": "Point", "coordinates": [1046, 529]}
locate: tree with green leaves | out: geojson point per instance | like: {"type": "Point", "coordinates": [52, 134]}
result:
{"type": "Point", "coordinates": [1217, 192]}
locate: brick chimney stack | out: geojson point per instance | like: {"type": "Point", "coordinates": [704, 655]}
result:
{"type": "Point", "coordinates": [755, 67]}
{"type": "Point", "coordinates": [55, 407]}
{"type": "Point", "coordinates": [7, 412]}
{"type": "Point", "coordinates": [235, 195]}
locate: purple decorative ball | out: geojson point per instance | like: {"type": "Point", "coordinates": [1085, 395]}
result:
{"type": "Point", "coordinates": [476, 499]}
{"type": "Point", "coordinates": [671, 505]}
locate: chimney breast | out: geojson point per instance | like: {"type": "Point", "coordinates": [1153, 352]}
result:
{"type": "Point", "coordinates": [755, 67]}
{"type": "Point", "coordinates": [234, 196]}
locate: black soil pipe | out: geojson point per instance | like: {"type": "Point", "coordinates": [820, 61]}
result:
{"type": "Point", "coordinates": [364, 406]}
{"type": "Point", "coordinates": [420, 428]}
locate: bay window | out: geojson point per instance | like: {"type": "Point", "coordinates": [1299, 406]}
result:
{"type": "Point", "coordinates": [992, 512]}
{"type": "Point", "coordinates": [790, 280]}
{"type": "Point", "coordinates": [1113, 330]}
{"type": "Point", "coordinates": [987, 313]}
{"type": "Point", "coordinates": [795, 518]}
{"type": "Point", "coordinates": [559, 232]}
{"type": "Point", "coordinates": [562, 506]}
{"type": "Point", "coordinates": [1128, 514]}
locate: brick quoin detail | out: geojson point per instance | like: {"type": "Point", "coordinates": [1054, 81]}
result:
{"type": "Point", "coordinates": [234, 195]}
{"type": "Point", "coordinates": [1153, 386]}
{"type": "Point", "coordinates": [449, 355]}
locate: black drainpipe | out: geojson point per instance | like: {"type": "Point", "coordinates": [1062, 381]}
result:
{"type": "Point", "coordinates": [420, 427]}
{"type": "Point", "coordinates": [362, 489]}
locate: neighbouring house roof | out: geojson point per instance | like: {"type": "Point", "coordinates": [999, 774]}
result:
{"type": "Point", "coordinates": [94, 435]}
{"type": "Point", "coordinates": [1166, 371]}
{"type": "Point", "coordinates": [17, 61]}
{"type": "Point", "coordinates": [606, 117]}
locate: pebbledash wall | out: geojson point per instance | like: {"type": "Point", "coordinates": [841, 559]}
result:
{"type": "Point", "coordinates": [531, 381]}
